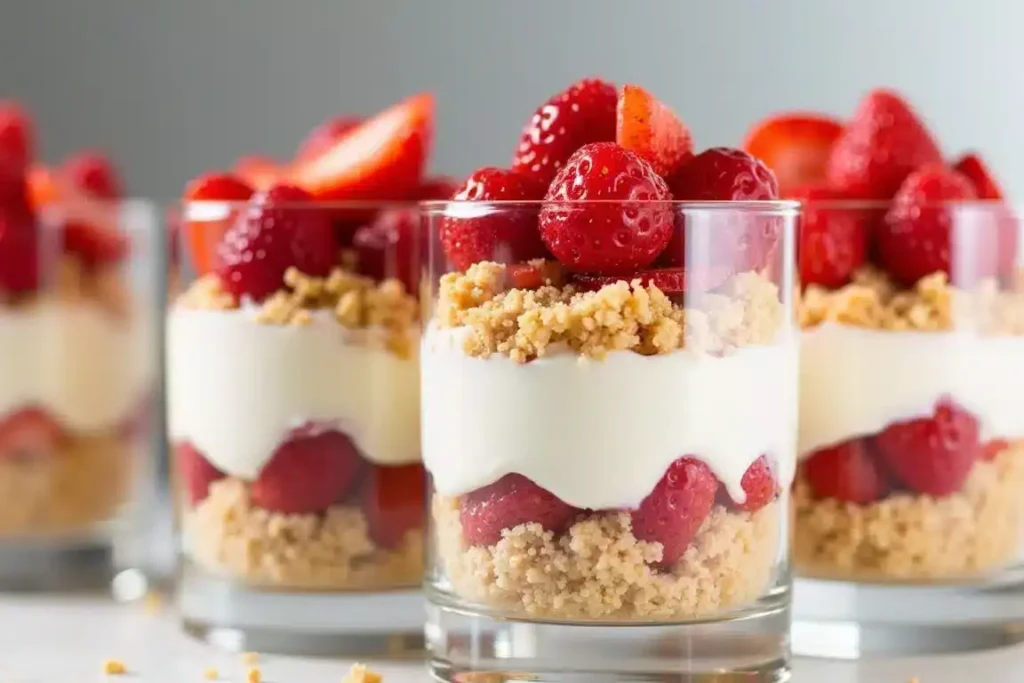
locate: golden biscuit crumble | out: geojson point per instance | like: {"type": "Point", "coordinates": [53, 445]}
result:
{"type": "Point", "coordinates": [360, 674]}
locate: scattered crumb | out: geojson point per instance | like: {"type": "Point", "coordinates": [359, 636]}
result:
{"type": "Point", "coordinates": [153, 603]}
{"type": "Point", "coordinates": [360, 674]}
{"type": "Point", "coordinates": [250, 658]}
{"type": "Point", "coordinates": [114, 667]}
{"type": "Point", "coordinates": [211, 673]}
{"type": "Point", "coordinates": [252, 675]}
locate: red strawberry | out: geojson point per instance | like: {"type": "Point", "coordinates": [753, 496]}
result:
{"type": "Point", "coordinates": [932, 455]}
{"type": "Point", "coordinates": [847, 472]}
{"type": "Point", "coordinates": [833, 237]}
{"type": "Point", "coordinates": [197, 473]}
{"type": "Point", "coordinates": [671, 281]}
{"type": "Point", "coordinates": [16, 136]}
{"type": "Point", "coordinates": [534, 275]}
{"type": "Point", "coordinates": [42, 187]}
{"type": "Point", "coordinates": [382, 158]}
{"type": "Point", "coordinates": [278, 230]}
{"type": "Point", "coordinates": [19, 251]}
{"type": "Point", "coordinates": [389, 247]}
{"type": "Point", "coordinates": [673, 512]}
{"type": "Point", "coordinates": [652, 130]}
{"type": "Point", "coordinates": [28, 432]}
{"type": "Point", "coordinates": [795, 146]}
{"type": "Point", "coordinates": [94, 173]}
{"type": "Point", "coordinates": [307, 474]}
{"type": "Point", "coordinates": [991, 449]}
{"type": "Point", "coordinates": [607, 237]}
{"type": "Point", "coordinates": [759, 484]}
{"type": "Point", "coordinates": [15, 194]}
{"type": "Point", "coordinates": [914, 239]}
{"type": "Point", "coordinates": [205, 234]}
{"type": "Point", "coordinates": [506, 234]}
{"type": "Point", "coordinates": [581, 114]}
{"type": "Point", "coordinates": [259, 171]}
{"type": "Point", "coordinates": [94, 244]}
{"type": "Point", "coordinates": [325, 135]}
{"type": "Point", "coordinates": [724, 174]}
{"type": "Point", "coordinates": [977, 171]}
{"type": "Point", "coordinates": [393, 500]}
{"type": "Point", "coordinates": [881, 145]}
{"type": "Point", "coordinates": [437, 189]}
{"type": "Point", "coordinates": [507, 503]}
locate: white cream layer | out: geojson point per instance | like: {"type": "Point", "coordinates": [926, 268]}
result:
{"type": "Point", "coordinates": [600, 434]}
{"type": "Point", "coordinates": [854, 382]}
{"type": "Point", "coordinates": [237, 388]}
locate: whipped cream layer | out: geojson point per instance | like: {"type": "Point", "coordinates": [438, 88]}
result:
{"type": "Point", "coordinates": [601, 433]}
{"type": "Point", "coordinates": [854, 382]}
{"type": "Point", "coordinates": [237, 388]}
{"type": "Point", "coordinates": [77, 361]}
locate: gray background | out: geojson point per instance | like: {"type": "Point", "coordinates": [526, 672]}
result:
{"type": "Point", "coordinates": [174, 87]}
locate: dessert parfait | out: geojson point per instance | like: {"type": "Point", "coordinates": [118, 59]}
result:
{"type": "Point", "coordinates": [73, 357]}
{"type": "Point", "coordinates": [292, 364]}
{"type": "Point", "coordinates": [609, 380]}
{"type": "Point", "coordinates": [910, 448]}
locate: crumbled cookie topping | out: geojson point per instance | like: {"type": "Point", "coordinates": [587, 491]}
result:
{"type": "Point", "coordinates": [624, 316]}
{"type": "Point", "coordinates": [114, 667]}
{"type": "Point", "coordinates": [360, 674]}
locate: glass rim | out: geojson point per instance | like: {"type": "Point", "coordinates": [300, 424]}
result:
{"type": "Point", "coordinates": [884, 205]}
{"type": "Point", "coordinates": [762, 205]}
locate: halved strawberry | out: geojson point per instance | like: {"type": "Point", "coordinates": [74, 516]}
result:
{"type": "Point", "coordinates": [978, 172]}
{"type": "Point", "coordinates": [848, 472]}
{"type": "Point", "coordinates": [507, 503]}
{"type": "Point", "coordinates": [260, 172]}
{"type": "Point", "coordinates": [383, 158]}
{"type": "Point", "coordinates": [648, 127]}
{"type": "Point", "coordinates": [197, 473]}
{"type": "Point", "coordinates": [28, 432]}
{"type": "Point", "coordinates": [325, 135]}
{"type": "Point", "coordinates": [393, 500]}
{"type": "Point", "coordinates": [207, 225]}
{"type": "Point", "coordinates": [759, 485]}
{"type": "Point", "coordinates": [795, 146]}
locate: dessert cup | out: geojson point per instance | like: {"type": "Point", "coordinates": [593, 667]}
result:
{"type": "Point", "coordinates": [294, 432]}
{"type": "Point", "coordinates": [610, 455]}
{"type": "Point", "coordinates": [908, 517]}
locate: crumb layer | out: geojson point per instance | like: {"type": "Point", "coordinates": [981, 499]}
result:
{"type": "Point", "coordinates": [914, 537]}
{"type": "Point", "coordinates": [229, 536]}
{"type": "Point", "coordinates": [599, 570]}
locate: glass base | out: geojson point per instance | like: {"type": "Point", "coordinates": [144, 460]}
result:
{"type": "Point", "coordinates": [752, 647]}
{"type": "Point", "coordinates": [56, 565]}
{"type": "Point", "coordinates": [236, 617]}
{"type": "Point", "coordinates": [846, 620]}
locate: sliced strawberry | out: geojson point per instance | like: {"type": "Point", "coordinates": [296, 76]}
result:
{"type": "Point", "coordinates": [915, 237]}
{"type": "Point", "coordinates": [507, 234]}
{"type": "Point", "coordinates": [582, 113]}
{"type": "Point", "coordinates": [795, 146]}
{"type": "Point", "coordinates": [383, 158]}
{"type": "Point", "coordinates": [651, 129]}
{"type": "Point", "coordinates": [203, 235]}
{"type": "Point", "coordinates": [977, 171]}
{"type": "Point", "coordinates": [308, 473]}
{"type": "Point", "coordinates": [28, 432]}
{"type": "Point", "coordinates": [671, 281]}
{"type": "Point", "coordinates": [833, 237]}
{"type": "Point", "coordinates": [393, 500]}
{"type": "Point", "coordinates": [507, 503]}
{"type": "Point", "coordinates": [534, 275]}
{"type": "Point", "coordinates": [278, 230]}
{"type": "Point", "coordinates": [759, 485]}
{"type": "Point", "coordinates": [880, 146]}
{"type": "Point", "coordinates": [389, 247]}
{"type": "Point", "coordinates": [932, 455]}
{"type": "Point", "coordinates": [625, 229]}
{"type": "Point", "coordinates": [197, 473]}
{"type": "Point", "coordinates": [673, 512]}
{"type": "Point", "coordinates": [848, 472]}
{"type": "Point", "coordinates": [260, 172]}
{"type": "Point", "coordinates": [94, 173]}
{"type": "Point", "coordinates": [19, 251]}
{"type": "Point", "coordinates": [325, 135]}
{"type": "Point", "coordinates": [17, 136]}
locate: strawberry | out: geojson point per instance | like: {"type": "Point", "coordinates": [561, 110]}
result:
{"type": "Point", "coordinates": [759, 485]}
{"type": "Point", "coordinates": [259, 171]}
{"type": "Point", "coordinates": [15, 194]}
{"type": "Point", "coordinates": [673, 512]}
{"type": "Point", "coordinates": [833, 238]}
{"type": "Point", "coordinates": [42, 186]}
{"type": "Point", "coordinates": [1004, 221]}
{"type": "Point", "coordinates": [990, 449]}
{"type": "Point", "coordinates": [278, 230]}
{"type": "Point", "coordinates": [383, 158]}
{"type": "Point", "coordinates": [932, 455]}
{"type": "Point", "coordinates": [607, 237]}
{"type": "Point", "coordinates": [534, 275]}
{"type": "Point", "coordinates": [847, 472]}
{"type": "Point", "coordinates": [795, 146]}
{"type": "Point", "coordinates": [507, 503]}
{"type": "Point", "coordinates": [583, 113]}
{"type": "Point", "coordinates": [437, 189]}
{"type": "Point", "coordinates": [28, 432]}
{"type": "Point", "coordinates": [914, 239]}
{"type": "Point", "coordinates": [197, 473]}
{"type": "Point", "coordinates": [94, 173]}
{"type": "Point", "coordinates": [506, 234]}
{"type": "Point", "coordinates": [389, 247]}
{"type": "Point", "coordinates": [977, 171]}
{"type": "Point", "coordinates": [724, 174]}
{"type": "Point", "coordinates": [19, 251]}
{"type": "Point", "coordinates": [17, 137]}
{"type": "Point", "coordinates": [671, 281]}
{"type": "Point", "coordinates": [652, 130]}
{"type": "Point", "coordinates": [325, 135]}
{"type": "Point", "coordinates": [94, 244]}
{"type": "Point", "coordinates": [308, 473]}
{"type": "Point", "coordinates": [393, 500]}
{"type": "Point", "coordinates": [881, 145]}
{"type": "Point", "coordinates": [205, 234]}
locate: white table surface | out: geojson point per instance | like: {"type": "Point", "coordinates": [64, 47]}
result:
{"type": "Point", "coordinates": [66, 640]}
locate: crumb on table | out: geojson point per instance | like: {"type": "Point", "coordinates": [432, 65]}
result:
{"type": "Point", "coordinates": [360, 674]}
{"type": "Point", "coordinates": [114, 667]}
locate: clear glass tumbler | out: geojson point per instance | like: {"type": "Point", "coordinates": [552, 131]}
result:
{"type": "Point", "coordinates": [610, 453]}
{"type": "Point", "coordinates": [907, 507]}
{"type": "Point", "coordinates": [293, 418]}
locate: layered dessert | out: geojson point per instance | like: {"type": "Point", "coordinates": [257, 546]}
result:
{"type": "Point", "coordinates": [910, 446]}
{"type": "Point", "coordinates": [73, 376]}
{"type": "Point", "coordinates": [608, 418]}
{"type": "Point", "coordinates": [293, 375]}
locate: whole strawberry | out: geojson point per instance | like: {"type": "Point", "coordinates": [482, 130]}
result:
{"type": "Point", "coordinates": [848, 472]}
{"type": "Point", "coordinates": [507, 503]}
{"type": "Point", "coordinates": [17, 138]}
{"type": "Point", "coordinates": [881, 145]}
{"type": "Point", "coordinates": [307, 473]}
{"type": "Point", "coordinates": [627, 220]}
{"type": "Point", "coordinates": [915, 238]}
{"type": "Point", "coordinates": [278, 230]}
{"type": "Point", "coordinates": [389, 247]}
{"type": "Point", "coordinates": [833, 237]}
